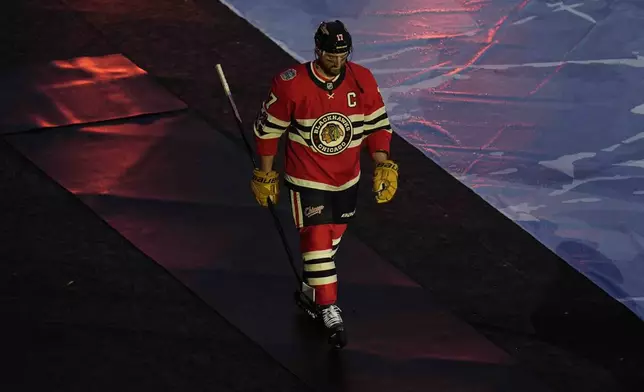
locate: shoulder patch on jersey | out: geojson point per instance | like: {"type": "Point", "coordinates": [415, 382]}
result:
{"type": "Point", "coordinates": [288, 74]}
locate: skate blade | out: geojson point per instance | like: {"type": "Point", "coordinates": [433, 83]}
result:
{"type": "Point", "coordinates": [338, 339]}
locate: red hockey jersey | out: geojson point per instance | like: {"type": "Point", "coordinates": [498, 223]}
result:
{"type": "Point", "coordinates": [326, 121]}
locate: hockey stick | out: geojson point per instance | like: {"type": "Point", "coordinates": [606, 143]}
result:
{"type": "Point", "coordinates": [303, 288]}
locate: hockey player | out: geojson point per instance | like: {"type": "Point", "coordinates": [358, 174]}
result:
{"type": "Point", "coordinates": [329, 108]}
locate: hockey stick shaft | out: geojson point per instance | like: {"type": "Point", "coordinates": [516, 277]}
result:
{"type": "Point", "coordinates": [271, 208]}
{"type": "Point", "coordinates": [238, 119]}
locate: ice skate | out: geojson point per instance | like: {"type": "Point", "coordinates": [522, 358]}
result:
{"type": "Point", "coordinates": [335, 326]}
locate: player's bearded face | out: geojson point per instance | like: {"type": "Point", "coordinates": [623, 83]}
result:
{"type": "Point", "coordinates": [332, 63]}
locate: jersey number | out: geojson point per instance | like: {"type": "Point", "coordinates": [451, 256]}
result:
{"type": "Point", "coordinates": [271, 100]}
{"type": "Point", "coordinates": [263, 114]}
{"type": "Point", "coordinates": [351, 99]}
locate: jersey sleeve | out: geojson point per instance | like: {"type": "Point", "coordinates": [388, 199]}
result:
{"type": "Point", "coordinates": [273, 118]}
{"type": "Point", "coordinates": [377, 128]}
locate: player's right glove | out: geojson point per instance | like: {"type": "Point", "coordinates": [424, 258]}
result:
{"type": "Point", "coordinates": [265, 185]}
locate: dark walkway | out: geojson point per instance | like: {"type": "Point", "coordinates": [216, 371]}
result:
{"type": "Point", "coordinates": [153, 181]}
{"type": "Point", "coordinates": [86, 306]}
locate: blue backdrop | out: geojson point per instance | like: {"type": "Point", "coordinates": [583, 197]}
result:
{"type": "Point", "coordinates": [538, 106]}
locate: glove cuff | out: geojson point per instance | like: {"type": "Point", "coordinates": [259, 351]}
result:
{"type": "Point", "coordinates": [264, 177]}
{"type": "Point", "coordinates": [387, 164]}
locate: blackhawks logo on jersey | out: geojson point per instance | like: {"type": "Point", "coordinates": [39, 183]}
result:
{"type": "Point", "coordinates": [331, 133]}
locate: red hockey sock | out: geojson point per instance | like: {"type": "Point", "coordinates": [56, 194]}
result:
{"type": "Point", "coordinates": [318, 245]}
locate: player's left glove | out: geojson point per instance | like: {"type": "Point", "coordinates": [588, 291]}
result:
{"type": "Point", "coordinates": [385, 181]}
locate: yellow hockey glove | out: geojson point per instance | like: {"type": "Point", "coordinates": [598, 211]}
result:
{"type": "Point", "coordinates": [385, 181]}
{"type": "Point", "coordinates": [265, 185]}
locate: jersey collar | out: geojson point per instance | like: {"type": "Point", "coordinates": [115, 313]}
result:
{"type": "Point", "coordinates": [327, 85]}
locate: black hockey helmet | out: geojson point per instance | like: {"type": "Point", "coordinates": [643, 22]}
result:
{"type": "Point", "coordinates": [333, 37]}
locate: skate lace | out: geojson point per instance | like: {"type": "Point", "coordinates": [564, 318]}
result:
{"type": "Point", "coordinates": [331, 316]}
